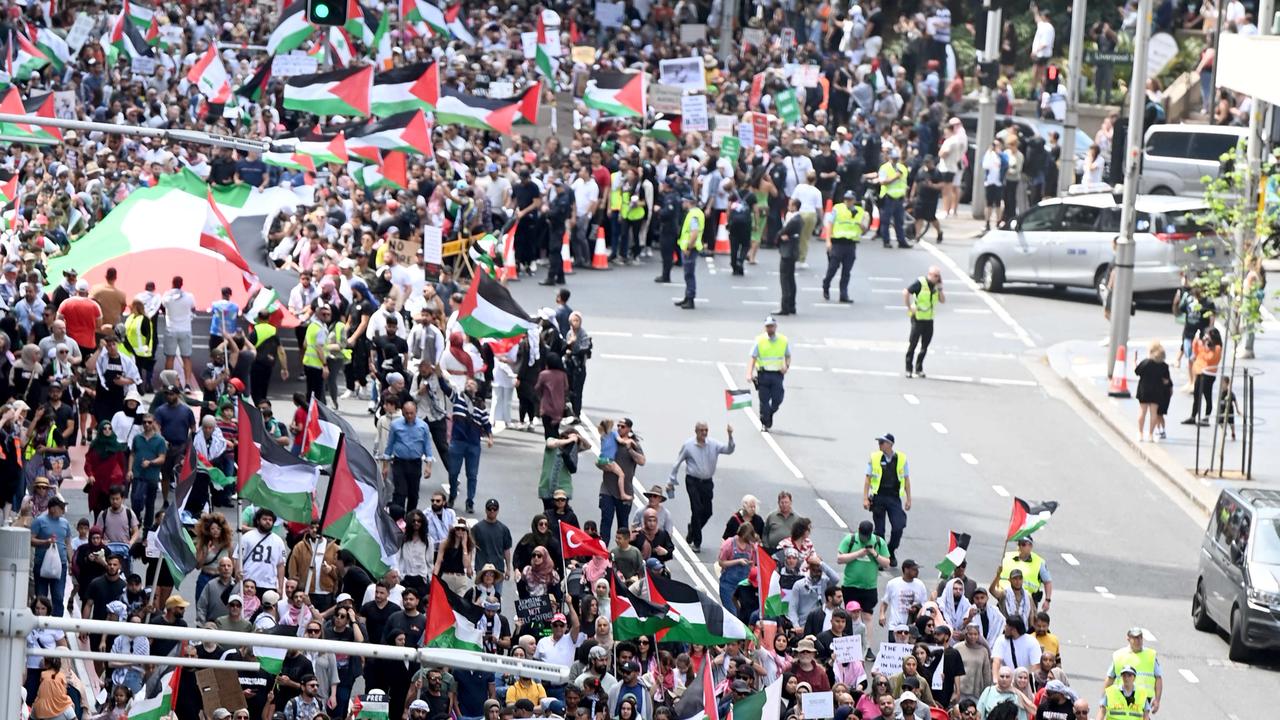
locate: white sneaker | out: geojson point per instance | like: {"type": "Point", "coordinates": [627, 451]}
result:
{"type": "Point", "coordinates": [346, 394]}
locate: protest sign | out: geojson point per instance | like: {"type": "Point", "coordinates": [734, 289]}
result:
{"type": "Point", "coordinates": [847, 649]}
{"type": "Point", "coordinates": [665, 98]}
{"type": "Point", "coordinates": [295, 63]}
{"type": "Point", "coordinates": [692, 33]}
{"type": "Point", "coordinates": [432, 245]}
{"type": "Point", "coordinates": [889, 659]}
{"type": "Point", "coordinates": [610, 14]}
{"type": "Point", "coordinates": [533, 609]}
{"type": "Point", "coordinates": [817, 705]}
{"type": "Point", "coordinates": [694, 110]}
{"type": "Point", "coordinates": [686, 73]}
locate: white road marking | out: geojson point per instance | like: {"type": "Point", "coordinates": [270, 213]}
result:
{"type": "Point", "coordinates": [695, 300]}
{"type": "Point", "coordinates": [1070, 559]}
{"type": "Point", "coordinates": [996, 308]}
{"type": "Point", "coordinates": [610, 333]}
{"type": "Point", "coordinates": [807, 368]}
{"type": "Point", "coordinates": [940, 428]}
{"type": "Point", "coordinates": [644, 358]}
{"type": "Point", "coordinates": [755, 422]}
{"type": "Point", "coordinates": [737, 341]}
{"type": "Point", "coordinates": [972, 311]}
{"type": "Point", "coordinates": [874, 278]}
{"type": "Point", "coordinates": [1006, 381]}
{"type": "Point", "coordinates": [759, 302]}
{"type": "Point", "coordinates": [873, 373]}
{"type": "Point", "coordinates": [687, 361]}
{"type": "Point", "coordinates": [748, 287]}
{"type": "Point", "coordinates": [833, 306]}
{"type": "Point", "coordinates": [896, 308]}
{"type": "Point", "coordinates": [832, 512]}
{"type": "Point", "coordinates": [911, 399]}
{"type": "Point", "coordinates": [969, 458]}
{"type": "Point", "coordinates": [1188, 676]}
{"type": "Point", "coordinates": [1000, 490]}
{"type": "Point", "coordinates": [711, 265]}
{"type": "Point", "coordinates": [1104, 592]}
{"type": "Point", "coordinates": [660, 336]}
{"type": "Point", "coordinates": [814, 368]}
{"type": "Point", "coordinates": [953, 378]}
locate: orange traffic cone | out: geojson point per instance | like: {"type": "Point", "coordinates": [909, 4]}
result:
{"type": "Point", "coordinates": [508, 271]}
{"type": "Point", "coordinates": [566, 258]}
{"type": "Point", "coordinates": [722, 235]}
{"type": "Point", "coordinates": [1120, 375]}
{"type": "Point", "coordinates": [600, 258]}
{"type": "Point", "coordinates": [875, 220]}
{"type": "Point", "coordinates": [826, 221]}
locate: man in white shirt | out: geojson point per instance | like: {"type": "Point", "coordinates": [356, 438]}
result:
{"type": "Point", "coordinates": [261, 554]}
{"type": "Point", "coordinates": [901, 593]}
{"type": "Point", "coordinates": [993, 181]}
{"type": "Point", "coordinates": [557, 648]}
{"type": "Point", "coordinates": [586, 198]}
{"type": "Point", "coordinates": [179, 308]}
{"type": "Point", "coordinates": [1042, 46]}
{"type": "Point", "coordinates": [810, 198]}
{"type": "Point", "coordinates": [1016, 649]}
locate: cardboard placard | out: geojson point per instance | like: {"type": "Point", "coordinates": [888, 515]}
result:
{"type": "Point", "coordinates": [889, 659]}
{"type": "Point", "coordinates": [665, 98]}
{"type": "Point", "coordinates": [432, 245]}
{"type": "Point", "coordinates": [79, 32]}
{"type": "Point", "coordinates": [534, 609]}
{"type": "Point", "coordinates": [815, 705]}
{"type": "Point", "coordinates": [64, 104]}
{"type": "Point", "coordinates": [730, 146]}
{"type": "Point", "coordinates": [686, 73]}
{"type": "Point", "coordinates": [788, 37]}
{"type": "Point", "coordinates": [694, 110]}
{"type": "Point", "coordinates": [692, 33]}
{"type": "Point", "coordinates": [584, 54]}
{"type": "Point", "coordinates": [788, 106]}
{"type": "Point", "coordinates": [295, 63]}
{"type": "Point", "coordinates": [144, 65]}
{"type": "Point", "coordinates": [610, 14]}
{"type": "Point", "coordinates": [805, 76]}
{"type": "Point", "coordinates": [219, 689]}
{"type": "Point", "coordinates": [847, 649]}
{"type": "Point", "coordinates": [754, 37]}
{"type": "Point", "coordinates": [757, 91]}
{"type": "Point", "coordinates": [760, 123]}
{"type": "Point", "coordinates": [171, 34]}
{"type": "Point", "coordinates": [406, 250]}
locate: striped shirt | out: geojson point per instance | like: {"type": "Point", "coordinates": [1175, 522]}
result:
{"type": "Point", "coordinates": [470, 420]}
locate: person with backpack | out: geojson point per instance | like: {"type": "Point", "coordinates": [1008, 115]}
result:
{"type": "Point", "coordinates": [741, 214]}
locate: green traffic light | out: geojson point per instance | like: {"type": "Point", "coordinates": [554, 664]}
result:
{"type": "Point", "coordinates": [321, 11]}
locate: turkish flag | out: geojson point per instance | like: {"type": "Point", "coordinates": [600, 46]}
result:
{"type": "Point", "coordinates": [574, 542]}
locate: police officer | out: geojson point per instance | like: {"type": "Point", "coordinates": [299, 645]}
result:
{"type": "Point", "coordinates": [887, 491]}
{"type": "Point", "coordinates": [842, 247]}
{"type": "Point", "coordinates": [767, 368]}
{"type": "Point", "coordinates": [558, 214]}
{"type": "Point", "coordinates": [314, 352]}
{"type": "Point", "coordinates": [690, 244]}
{"type": "Point", "coordinates": [669, 211]}
{"type": "Point", "coordinates": [1035, 573]}
{"type": "Point", "coordinates": [893, 193]}
{"type": "Point", "coordinates": [267, 352]}
{"type": "Point", "coordinates": [1148, 678]}
{"type": "Point", "coordinates": [921, 298]}
{"type": "Point", "coordinates": [1126, 701]}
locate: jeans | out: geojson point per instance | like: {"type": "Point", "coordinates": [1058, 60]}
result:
{"type": "Point", "coordinates": [739, 241]}
{"type": "Point", "coordinates": [406, 483]}
{"type": "Point", "coordinates": [690, 274]}
{"type": "Point", "coordinates": [611, 508]}
{"type": "Point", "coordinates": [142, 497]}
{"type": "Point", "coordinates": [922, 333]}
{"type": "Point", "coordinates": [769, 385]}
{"type": "Point", "coordinates": [202, 579]}
{"type": "Point", "coordinates": [701, 492]}
{"type": "Point", "coordinates": [460, 453]}
{"type": "Point", "coordinates": [882, 505]}
{"type": "Point", "coordinates": [843, 255]}
{"type": "Point", "coordinates": [55, 590]}
{"type": "Point", "coordinates": [892, 211]}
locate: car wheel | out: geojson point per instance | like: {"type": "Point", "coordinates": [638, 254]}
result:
{"type": "Point", "coordinates": [1236, 649]}
{"type": "Point", "coordinates": [1200, 619]}
{"type": "Point", "coordinates": [991, 273]}
{"type": "Point", "coordinates": [1100, 284]}
{"type": "Point", "coordinates": [1161, 190]}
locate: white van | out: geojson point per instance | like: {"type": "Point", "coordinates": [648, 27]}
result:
{"type": "Point", "coordinates": [1175, 158]}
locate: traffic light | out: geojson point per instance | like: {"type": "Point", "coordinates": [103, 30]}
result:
{"type": "Point", "coordinates": [327, 12]}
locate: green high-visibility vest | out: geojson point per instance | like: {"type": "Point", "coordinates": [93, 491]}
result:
{"type": "Point", "coordinates": [900, 462]}
{"type": "Point", "coordinates": [847, 224]}
{"type": "Point", "coordinates": [263, 332]}
{"type": "Point", "coordinates": [615, 192]}
{"type": "Point", "coordinates": [688, 234]}
{"type": "Point", "coordinates": [926, 300]}
{"type": "Point", "coordinates": [1144, 662]}
{"type": "Point", "coordinates": [898, 188]}
{"type": "Point", "coordinates": [138, 345]}
{"type": "Point", "coordinates": [311, 357]}
{"type": "Point", "coordinates": [771, 355]}
{"type": "Point", "coordinates": [1120, 708]}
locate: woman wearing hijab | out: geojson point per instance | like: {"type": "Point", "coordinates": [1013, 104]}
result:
{"type": "Point", "coordinates": [539, 535]}
{"type": "Point", "coordinates": [103, 466]}
{"type": "Point", "coordinates": [578, 351]}
{"type": "Point", "coordinates": [461, 362]}
{"type": "Point", "coordinates": [528, 366]}
{"type": "Point", "coordinates": [540, 576]}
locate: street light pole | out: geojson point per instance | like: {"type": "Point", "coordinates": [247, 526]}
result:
{"type": "Point", "coordinates": [15, 574]}
{"type": "Point", "coordinates": [728, 10]}
{"type": "Point", "coordinates": [1122, 297]}
{"type": "Point", "coordinates": [1075, 73]}
{"type": "Point", "coordinates": [986, 113]}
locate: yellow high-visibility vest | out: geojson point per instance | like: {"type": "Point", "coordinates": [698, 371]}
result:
{"type": "Point", "coordinates": [1030, 571]}
{"type": "Point", "coordinates": [1120, 708]}
{"type": "Point", "coordinates": [688, 234]}
{"type": "Point", "coordinates": [1144, 662]}
{"type": "Point", "coordinates": [771, 355]}
{"type": "Point", "coordinates": [926, 300]}
{"type": "Point", "coordinates": [900, 461]}
{"type": "Point", "coordinates": [898, 188]}
{"type": "Point", "coordinates": [136, 343]}
{"type": "Point", "coordinates": [847, 223]}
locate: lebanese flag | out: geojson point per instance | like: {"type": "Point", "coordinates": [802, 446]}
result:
{"type": "Point", "coordinates": [216, 235]}
{"type": "Point", "coordinates": [337, 92]}
{"type": "Point", "coordinates": [210, 76]}
{"type": "Point", "coordinates": [575, 542]}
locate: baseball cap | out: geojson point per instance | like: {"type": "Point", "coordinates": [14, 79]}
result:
{"type": "Point", "coordinates": [630, 666]}
{"type": "Point", "coordinates": [1128, 669]}
{"type": "Point", "coordinates": [850, 195]}
{"type": "Point", "coordinates": [491, 504]}
{"type": "Point", "coordinates": [908, 695]}
{"type": "Point", "coordinates": [176, 601]}
{"type": "Point", "coordinates": [560, 495]}
{"type": "Point", "coordinates": [235, 599]}
{"type": "Point", "coordinates": [900, 627]}
{"type": "Point", "coordinates": [556, 707]}
{"type": "Point", "coordinates": [740, 686]}
{"type": "Point", "coordinates": [82, 285]}
{"type": "Point", "coordinates": [598, 652]}
{"type": "Point", "coordinates": [1134, 631]}
{"type": "Point", "coordinates": [1028, 540]}
{"type": "Point", "coordinates": [558, 618]}
{"type": "Point", "coordinates": [221, 714]}
{"type": "Point", "coordinates": [270, 597]}
{"type": "Point", "coordinates": [887, 437]}
{"type": "Point", "coordinates": [419, 704]}
{"type": "Point", "coordinates": [342, 597]}
{"type": "Point", "coordinates": [1015, 573]}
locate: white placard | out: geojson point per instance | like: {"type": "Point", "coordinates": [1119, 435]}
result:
{"type": "Point", "coordinates": [432, 245]}
{"type": "Point", "coordinates": [1161, 50]}
{"type": "Point", "coordinates": [64, 104]}
{"type": "Point", "coordinates": [889, 659]}
{"type": "Point", "coordinates": [746, 134]}
{"type": "Point", "coordinates": [665, 98]}
{"type": "Point", "coordinates": [788, 37]}
{"type": "Point", "coordinates": [144, 65]}
{"type": "Point", "coordinates": [815, 705]}
{"type": "Point", "coordinates": [295, 63]}
{"type": "Point", "coordinates": [724, 126]}
{"type": "Point", "coordinates": [847, 649]}
{"type": "Point", "coordinates": [691, 33]}
{"type": "Point", "coordinates": [502, 89]}
{"type": "Point", "coordinates": [610, 14]}
{"type": "Point", "coordinates": [754, 37]}
{"type": "Point", "coordinates": [805, 76]}
{"type": "Point", "coordinates": [529, 43]}
{"type": "Point", "coordinates": [79, 32]}
{"type": "Point", "coordinates": [171, 34]}
{"type": "Point", "coordinates": [686, 73]}
{"type": "Point", "coordinates": [694, 110]}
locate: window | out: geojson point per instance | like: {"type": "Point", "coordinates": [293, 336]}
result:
{"type": "Point", "coordinates": [1168, 144]}
{"type": "Point", "coordinates": [1211, 146]}
{"type": "Point", "coordinates": [1109, 220]}
{"type": "Point", "coordinates": [1040, 219]}
{"type": "Point", "coordinates": [1220, 523]}
{"type": "Point", "coordinates": [1080, 218]}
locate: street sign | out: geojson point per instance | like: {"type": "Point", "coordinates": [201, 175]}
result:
{"type": "Point", "coordinates": [1097, 57]}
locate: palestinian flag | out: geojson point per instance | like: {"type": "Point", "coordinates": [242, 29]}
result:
{"type": "Point", "coordinates": [774, 599]}
{"type": "Point", "coordinates": [355, 508]}
{"type": "Point", "coordinates": [27, 58]}
{"type": "Point", "coordinates": [337, 92]}
{"type": "Point", "coordinates": [157, 704]}
{"type": "Point", "coordinates": [543, 56]}
{"type": "Point", "coordinates": [37, 105]}
{"type": "Point", "coordinates": [126, 39]}
{"type": "Point", "coordinates": [216, 235]}
{"type": "Point", "coordinates": [734, 399]}
{"type": "Point", "coordinates": [617, 94]}
{"type": "Point", "coordinates": [489, 311]}
{"type": "Point", "coordinates": [53, 46]}
{"type": "Point", "coordinates": [140, 14]}
{"type": "Point", "coordinates": [390, 171]}
{"type": "Point", "coordinates": [429, 13]}
{"type": "Point", "coordinates": [667, 128]}
{"type": "Point", "coordinates": [765, 704]}
{"type": "Point", "coordinates": [175, 545]}
{"type": "Point", "coordinates": [270, 659]}
{"type": "Point", "coordinates": [577, 543]}
{"type": "Point", "coordinates": [1027, 518]}
{"type": "Point", "coordinates": [292, 29]}
{"type": "Point", "coordinates": [494, 115]}
{"type": "Point", "coordinates": [8, 190]}
{"type": "Point", "coordinates": [702, 619]}
{"type": "Point", "coordinates": [270, 476]}
{"type": "Point", "coordinates": [957, 548]}
{"type": "Point", "coordinates": [451, 621]}
{"type": "Point", "coordinates": [456, 27]}
{"type": "Point", "coordinates": [483, 254]}
{"type": "Point", "coordinates": [210, 76]}
{"type": "Point", "coordinates": [406, 131]}
{"type": "Point", "coordinates": [294, 161]}
{"type": "Point", "coordinates": [253, 88]}
{"type": "Point", "coordinates": [634, 616]}
{"type": "Point", "coordinates": [358, 25]}
{"type": "Point", "coordinates": [197, 462]}
{"type": "Point", "coordinates": [278, 314]}
{"type": "Point", "coordinates": [699, 699]}
{"type": "Point", "coordinates": [320, 437]}
{"type": "Point", "coordinates": [411, 87]}
{"type": "Point", "coordinates": [332, 150]}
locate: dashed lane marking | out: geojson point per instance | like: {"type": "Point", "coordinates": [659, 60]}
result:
{"type": "Point", "coordinates": [642, 358]}
{"type": "Point", "coordinates": [872, 373]}
{"type": "Point", "coordinates": [990, 302]}
{"type": "Point", "coordinates": [881, 278]}
{"type": "Point", "coordinates": [611, 333]}
{"type": "Point", "coordinates": [660, 336]}
{"type": "Point", "coordinates": [1104, 592]}
{"type": "Point", "coordinates": [687, 361]}
{"type": "Point", "coordinates": [911, 399]}
{"type": "Point", "coordinates": [939, 427]}
{"type": "Point", "coordinates": [832, 512]}
{"type": "Point", "coordinates": [1000, 490]}
{"type": "Point", "coordinates": [695, 300]}
{"type": "Point", "coordinates": [749, 287]}
{"type": "Point", "coordinates": [759, 302]}
{"type": "Point", "coordinates": [969, 458]}
{"type": "Point", "coordinates": [1188, 676]}
{"type": "Point", "coordinates": [1070, 559]}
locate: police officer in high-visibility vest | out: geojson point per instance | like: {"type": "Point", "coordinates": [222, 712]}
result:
{"type": "Point", "coordinates": [1126, 701]}
{"type": "Point", "coordinates": [267, 352]}
{"type": "Point", "coordinates": [314, 350]}
{"type": "Point", "coordinates": [690, 244]}
{"type": "Point", "coordinates": [1148, 678]}
{"type": "Point", "coordinates": [618, 199]}
{"type": "Point", "coordinates": [1035, 572]}
{"type": "Point", "coordinates": [887, 491]}
{"type": "Point", "coordinates": [893, 194]}
{"type": "Point", "coordinates": [848, 223]}
{"type": "Point", "coordinates": [767, 368]}
{"type": "Point", "coordinates": [336, 358]}
{"type": "Point", "coordinates": [921, 298]}
{"type": "Point", "coordinates": [140, 342]}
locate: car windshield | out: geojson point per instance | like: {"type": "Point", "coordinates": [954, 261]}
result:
{"type": "Point", "coordinates": [1266, 548]}
{"type": "Point", "coordinates": [1187, 222]}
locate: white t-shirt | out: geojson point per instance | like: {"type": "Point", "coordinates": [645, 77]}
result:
{"type": "Point", "coordinates": [259, 558]}
{"type": "Point", "coordinates": [1235, 12]}
{"type": "Point", "coordinates": [809, 196]}
{"type": "Point", "coordinates": [900, 595]}
{"type": "Point", "coordinates": [556, 653]}
{"type": "Point", "coordinates": [991, 168]}
{"type": "Point", "coordinates": [1042, 43]}
{"type": "Point", "coordinates": [179, 307]}
{"type": "Point", "coordinates": [585, 192]}
{"type": "Point", "coordinates": [1024, 651]}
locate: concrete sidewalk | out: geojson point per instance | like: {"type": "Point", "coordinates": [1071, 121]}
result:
{"type": "Point", "coordinates": [1082, 364]}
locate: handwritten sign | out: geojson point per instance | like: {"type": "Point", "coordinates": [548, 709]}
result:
{"type": "Point", "coordinates": [730, 146]}
{"type": "Point", "coordinates": [788, 106]}
{"type": "Point", "coordinates": [692, 33]}
{"type": "Point", "coordinates": [584, 54]}
{"type": "Point", "coordinates": [295, 63]}
{"type": "Point", "coordinates": [432, 245]}
{"type": "Point", "coordinates": [665, 98]}
{"type": "Point", "coordinates": [686, 73]}
{"type": "Point", "coordinates": [746, 135]}
{"type": "Point", "coordinates": [889, 659]}
{"type": "Point", "coordinates": [805, 76]}
{"type": "Point", "coordinates": [815, 705]}
{"type": "Point", "coordinates": [406, 250]}
{"type": "Point", "coordinates": [79, 32]}
{"type": "Point", "coordinates": [502, 89]}
{"type": "Point", "coordinates": [534, 609]}
{"type": "Point", "coordinates": [847, 649]}
{"type": "Point", "coordinates": [694, 110]}
{"type": "Point", "coordinates": [171, 34]}
{"type": "Point", "coordinates": [610, 14]}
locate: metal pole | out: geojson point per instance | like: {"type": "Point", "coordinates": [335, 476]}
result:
{"type": "Point", "coordinates": [144, 659]}
{"type": "Point", "coordinates": [15, 574]}
{"type": "Point", "coordinates": [1246, 413]}
{"type": "Point", "coordinates": [986, 113]}
{"type": "Point", "coordinates": [190, 136]}
{"type": "Point", "coordinates": [1123, 296]}
{"type": "Point", "coordinates": [1248, 471]}
{"type": "Point", "coordinates": [1075, 74]}
{"type": "Point", "coordinates": [728, 11]}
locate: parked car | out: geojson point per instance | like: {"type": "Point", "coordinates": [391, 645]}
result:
{"type": "Point", "coordinates": [1176, 158]}
{"type": "Point", "coordinates": [1067, 242]}
{"type": "Point", "coordinates": [1238, 588]}
{"type": "Point", "coordinates": [1027, 128]}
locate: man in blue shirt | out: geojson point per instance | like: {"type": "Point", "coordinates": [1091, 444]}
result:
{"type": "Point", "coordinates": [148, 450]}
{"type": "Point", "coordinates": [48, 531]}
{"type": "Point", "coordinates": [407, 444]}
{"type": "Point", "coordinates": [222, 324]}
{"type": "Point", "coordinates": [470, 423]}
{"type": "Point", "coordinates": [176, 422]}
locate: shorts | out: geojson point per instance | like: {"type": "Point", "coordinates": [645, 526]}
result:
{"type": "Point", "coordinates": [177, 342]}
{"type": "Point", "coordinates": [1186, 346]}
{"type": "Point", "coordinates": [603, 462]}
{"type": "Point", "coordinates": [994, 194]}
{"type": "Point", "coordinates": [948, 177]}
{"type": "Point", "coordinates": [866, 598]}
{"type": "Point", "coordinates": [1042, 61]}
